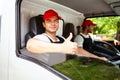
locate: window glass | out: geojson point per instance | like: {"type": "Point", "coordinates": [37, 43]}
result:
{"type": "Point", "coordinates": [107, 27]}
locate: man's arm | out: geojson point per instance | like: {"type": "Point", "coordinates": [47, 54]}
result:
{"type": "Point", "coordinates": [38, 46]}
{"type": "Point", "coordinates": [84, 53]}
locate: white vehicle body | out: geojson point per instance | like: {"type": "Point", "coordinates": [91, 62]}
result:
{"type": "Point", "coordinates": [12, 67]}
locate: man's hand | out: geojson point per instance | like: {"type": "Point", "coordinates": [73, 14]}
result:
{"type": "Point", "coordinates": [103, 59]}
{"type": "Point", "coordinates": [68, 46]}
{"type": "Point", "coordinates": [116, 42]}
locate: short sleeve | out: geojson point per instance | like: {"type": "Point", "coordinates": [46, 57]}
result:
{"type": "Point", "coordinates": [42, 37]}
{"type": "Point", "coordinates": [79, 40]}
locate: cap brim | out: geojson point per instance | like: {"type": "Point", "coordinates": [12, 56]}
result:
{"type": "Point", "coordinates": [59, 17]}
{"type": "Point", "coordinates": [94, 24]}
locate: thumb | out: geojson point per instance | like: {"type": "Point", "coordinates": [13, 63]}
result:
{"type": "Point", "coordinates": [69, 37]}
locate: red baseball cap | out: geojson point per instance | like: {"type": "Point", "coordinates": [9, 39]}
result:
{"type": "Point", "coordinates": [88, 23]}
{"type": "Point", "coordinates": [50, 13]}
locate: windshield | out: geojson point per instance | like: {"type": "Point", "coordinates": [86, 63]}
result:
{"type": "Point", "coordinates": [106, 27]}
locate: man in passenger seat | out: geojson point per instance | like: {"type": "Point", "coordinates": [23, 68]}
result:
{"type": "Point", "coordinates": [86, 38]}
{"type": "Point", "coordinates": [48, 41]}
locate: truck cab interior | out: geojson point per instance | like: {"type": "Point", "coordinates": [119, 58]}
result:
{"type": "Point", "coordinates": [29, 23]}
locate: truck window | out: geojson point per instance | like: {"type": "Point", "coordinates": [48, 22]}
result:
{"type": "Point", "coordinates": [107, 27]}
{"type": "Point", "coordinates": [64, 66]}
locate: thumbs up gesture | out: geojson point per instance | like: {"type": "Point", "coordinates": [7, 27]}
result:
{"type": "Point", "coordinates": [68, 46]}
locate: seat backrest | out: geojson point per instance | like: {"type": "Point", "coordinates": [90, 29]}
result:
{"type": "Point", "coordinates": [35, 27]}
{"type": "Point", "coordinates": [69, 27]}
{"type": "Point", "coordinates": [79, 29]}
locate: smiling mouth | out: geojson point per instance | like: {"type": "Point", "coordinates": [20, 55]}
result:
{"type": "Point", "coordinates": [53, 27]}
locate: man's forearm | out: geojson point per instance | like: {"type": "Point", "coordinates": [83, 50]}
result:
{"type": "Point", "coordinates": [40, 47]}
{"type": "Point", "coordinates": [82, 52]}
{"type": "Point", "coordinates": [37, 46]}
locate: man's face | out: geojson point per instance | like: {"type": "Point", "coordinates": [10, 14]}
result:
{"type": "Point", "coordinates": [90, 29]}
{"type": "Point", "coordinates": [51, 25]}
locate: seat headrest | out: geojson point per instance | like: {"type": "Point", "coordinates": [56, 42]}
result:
{"type": "Point", "coordinates": [69, 27]}
{"type": "Point", "coordinates": [36, 26]}
{"type": "Point", "coordinates": [79, 29]}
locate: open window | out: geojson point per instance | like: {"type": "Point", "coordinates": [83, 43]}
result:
{"type": "Point", "coordinates": [56, 63]}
